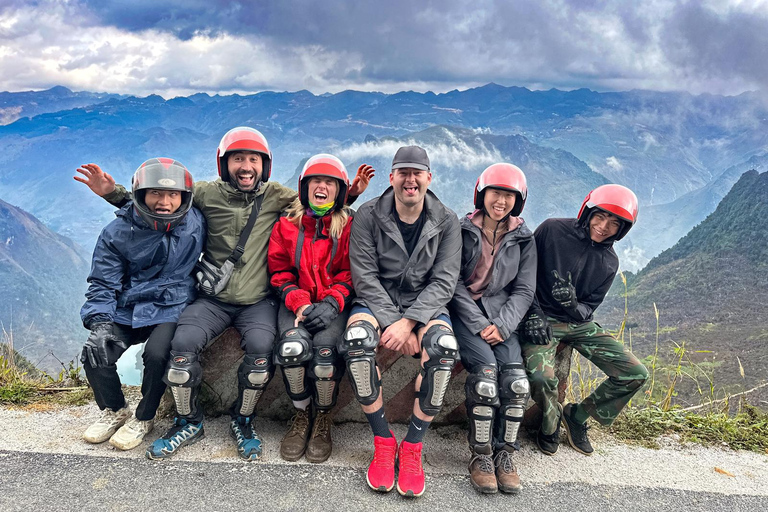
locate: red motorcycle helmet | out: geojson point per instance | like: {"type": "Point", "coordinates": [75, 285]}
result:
{"type": "Point", "coordinates": [503, 177]}
{"type": "Point", "coordinates": [165, 174]}
{"type": "Point", "coordinates": [324, 165]}
{"type": "Point", "coordinates": [243, 138]}
{"type": "Point", "coordinates": [615, 199]}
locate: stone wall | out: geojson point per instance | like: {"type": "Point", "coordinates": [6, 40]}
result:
{"type": "Point", "coordinates": [222, 358]}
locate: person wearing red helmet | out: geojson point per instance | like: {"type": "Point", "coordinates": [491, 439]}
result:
{"type": "Point", "coordinates": [140, 281]}
{"type": "Point", "coordinates": [576, 267]}
{"type": "Point", "coordinates": [309, 265]}
{"type": "Point", "coordinates": [234, 285]}
{"type": "Point", "coordinates": [494, 292]}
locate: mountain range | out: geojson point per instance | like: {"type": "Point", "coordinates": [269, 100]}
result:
{"type": "Point", "coordinates": [710, 290]}
{"type": "Point", "coordinates": [671, 148]}
{"type": "Point", "coordinates": [680, 153]}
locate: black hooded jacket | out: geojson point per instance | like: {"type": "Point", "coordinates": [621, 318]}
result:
{"type": "Point", "coordinates": [564, 245]}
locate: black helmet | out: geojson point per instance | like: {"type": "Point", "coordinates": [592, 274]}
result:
{"type": "Point", "coordinates": [166, 174]}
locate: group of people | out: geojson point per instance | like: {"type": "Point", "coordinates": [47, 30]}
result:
{"type": "Point", "coordinates": [316, 288]}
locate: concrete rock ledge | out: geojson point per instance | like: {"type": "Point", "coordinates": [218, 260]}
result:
{"type": "Point", "coordinates": [223, 356]}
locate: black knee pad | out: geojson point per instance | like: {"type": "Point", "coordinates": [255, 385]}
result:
{"type": "Point", "coordinates": [184, 376]}
{"type": "Point", "coordinates": [184, 370]}
{"type": "Point", "coordinates": [292, 352]}
{"type": "Point", "coordinates": [514, 391]}
{"type": "Point", "coordinates": [253, 376]}
{"type": "Point", "coordinates": [443, 352]}
{"type": "Point", "coordinates": [326, 370]}
{"type": "Point", "coordinates": [358, 348]}
{"type": "Point", "coordinates": [482, 392]}
{"type": "Point", "coordinates": [255, 371]}
{"type": "Point", "coordinates": [294, 347]}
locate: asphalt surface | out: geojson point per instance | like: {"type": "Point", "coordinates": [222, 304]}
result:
{"type": "Point", "coordinates": [41, 481]}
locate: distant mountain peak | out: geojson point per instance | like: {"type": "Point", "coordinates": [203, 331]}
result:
{"type": "Point", "coordinates": [738, 226]}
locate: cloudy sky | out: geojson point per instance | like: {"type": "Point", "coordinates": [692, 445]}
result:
{"type": "Point", "coordinates": [178, 47]}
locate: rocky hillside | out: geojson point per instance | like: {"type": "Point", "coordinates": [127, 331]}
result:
{"type": "Point", "coordinates": [711, 290]}
{"type": "Point", "coordinates": [42, 278]}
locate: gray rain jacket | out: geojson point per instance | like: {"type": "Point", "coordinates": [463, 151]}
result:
{"type": "Point", "coordinates": [513, 280]}
{"type": "Point", "coordinates": [389, 282]}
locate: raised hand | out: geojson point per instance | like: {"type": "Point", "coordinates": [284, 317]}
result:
{"type": "Point", "coordinates": [363, 177]}
{"type": "Point", "coordinates": [97, 180]}
{"type": "Point", "coordinates": [564, 292]}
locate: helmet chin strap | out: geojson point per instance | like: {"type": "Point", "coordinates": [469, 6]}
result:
{"type": "Point", "coordinates": [503, 219]}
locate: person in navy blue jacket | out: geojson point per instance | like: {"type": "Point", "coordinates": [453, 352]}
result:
{"type": "Point", "coordinates": [140, 281]}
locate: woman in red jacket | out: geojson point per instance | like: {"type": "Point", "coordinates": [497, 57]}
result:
{"type": "Point", "coordinates": [309, 263]}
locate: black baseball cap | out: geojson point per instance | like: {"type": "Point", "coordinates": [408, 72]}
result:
{"type": "Point", "coordinates": [412, 157]}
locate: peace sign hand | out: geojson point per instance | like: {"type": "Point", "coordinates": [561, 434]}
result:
{"type": "Point", "coordinates": [564, 292]}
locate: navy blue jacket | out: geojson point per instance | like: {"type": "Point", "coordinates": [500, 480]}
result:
{"type": "Point", "coordinates": [140, 276]}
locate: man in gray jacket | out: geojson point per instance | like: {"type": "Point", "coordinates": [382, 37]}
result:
{"type": "Point", "coordinates": [405, 256]}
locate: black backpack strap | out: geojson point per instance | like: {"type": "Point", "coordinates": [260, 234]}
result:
{"type": "Point", "coordinates": [237, 253]}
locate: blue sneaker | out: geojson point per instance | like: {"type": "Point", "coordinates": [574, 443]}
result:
{"type": "Point", "coordinates": [248, 442]}
{"type": "Point", "coordinates": [180, 434]}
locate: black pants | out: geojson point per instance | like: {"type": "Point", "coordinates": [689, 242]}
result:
{"type": "Point", "coordinates": [106, 383]}
{"type": "Point", "coordinates": [206, 318]}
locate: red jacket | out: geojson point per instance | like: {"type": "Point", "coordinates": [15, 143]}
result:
{"type": "Point", "coordinates": [316, 276]}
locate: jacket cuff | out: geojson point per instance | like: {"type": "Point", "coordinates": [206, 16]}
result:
{"type": "Point", "coordinates": [297, 298]}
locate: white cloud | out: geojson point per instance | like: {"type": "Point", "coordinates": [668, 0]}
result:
{"type": "Point", "coordinates": [614, 163]}
{"type": "Point", "coordinates": [171, 47]}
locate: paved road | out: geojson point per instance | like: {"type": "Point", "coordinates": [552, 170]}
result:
{"type": "Point", "coordinates": [32, 481]}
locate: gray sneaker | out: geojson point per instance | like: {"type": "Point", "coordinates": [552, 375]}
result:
{"type": "Point", "coordinates": [131, 434]}
{"type": "Point", "coordinates": [107, 425]}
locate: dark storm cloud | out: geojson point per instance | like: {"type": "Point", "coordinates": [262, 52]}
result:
{"type": "Point", "coordinates": [328, 46]}
{"type": "Point", "coordinates": [709, 44]}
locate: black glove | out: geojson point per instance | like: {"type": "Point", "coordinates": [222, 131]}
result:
{"type": "Point", "coordinates": [536, 329]}
{"type": "Point", "coordinates": [97, 350]}
{"type": "Point", "coordinates": [319, 316]}
{"type": "Point", "coordinates": [564, 292]}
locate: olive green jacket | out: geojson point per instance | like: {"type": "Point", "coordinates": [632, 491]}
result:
{"type": "Point", "coordinates": [226, 210]}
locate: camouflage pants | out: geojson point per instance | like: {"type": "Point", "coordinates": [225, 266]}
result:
{"type": "Point", "coordinates": [626, 374]}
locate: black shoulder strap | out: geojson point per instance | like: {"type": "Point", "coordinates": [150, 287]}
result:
{"type": "Point", "coordinates": [246, 232]}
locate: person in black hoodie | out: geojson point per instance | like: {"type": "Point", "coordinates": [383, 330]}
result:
{"type": "Point", "coordinates": [576, 267]}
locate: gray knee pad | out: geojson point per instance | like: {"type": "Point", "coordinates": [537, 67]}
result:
{"type": "Point", "coordinates": [292, 352]}
{"type": "Point", "coordinates": [184, 376]}
{"type": "Point", "coordinates": [326, 370]}
{"type": "Point", "coordinates": [443, 352]}
{"type": "Point", "coordinates": [514, 392]}
{"type": "Point", "coordinates": [253, 376]}
{"type": "Point", "coordinates": [358, 348]}
{"type": "Point", "coordinates": [482, 392]}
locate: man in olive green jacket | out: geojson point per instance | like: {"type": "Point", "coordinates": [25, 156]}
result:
{"type": "Point", "coordinates": [232, 293]}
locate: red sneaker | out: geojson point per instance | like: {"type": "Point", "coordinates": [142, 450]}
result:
{"type": "Point", "coordinates": [381, 472]}
{"type": "Point", "coordinates": [410, 480]}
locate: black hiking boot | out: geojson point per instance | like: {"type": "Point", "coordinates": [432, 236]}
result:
{"type": "Point", "coordinates": [577, 432]}
{"type": "Point", "coordinates": [548, 443]}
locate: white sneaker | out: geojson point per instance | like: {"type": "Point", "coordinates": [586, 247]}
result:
{"type": "Point", "coordinates": [107, 425]}
{"type": "Point", "coordinates": [131, 434]}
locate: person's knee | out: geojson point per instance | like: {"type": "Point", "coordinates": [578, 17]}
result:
{"type": "Point", "coordinates": [189, 338]}
{"type": "Point", "coordinates": [258, 341]}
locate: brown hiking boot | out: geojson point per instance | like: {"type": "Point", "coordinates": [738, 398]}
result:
{"type": "Point", "coordinates": [295, 440]}
{"type": "Point", "coordinates": [481, 473]}
{"type": "Point", "coordinates": [506, 473]}
{"type": "Point", "coordinates": [320, 442]}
